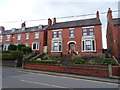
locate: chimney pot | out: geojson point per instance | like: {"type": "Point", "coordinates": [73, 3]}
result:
{"type": "Point", "coordinates": [2, 28]}
{"type": "Point", "coordinates": [54, 20]}
{"type": "Point", "coordinates": [97, 14]}
{"type": "Point", "coordinates": [49, 22]}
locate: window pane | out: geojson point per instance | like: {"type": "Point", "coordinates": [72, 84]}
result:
{"type": "Point", "coordinates": [91, 33]}
{"type": "Point", "coordinates": [34, 46]}
{"type": "Point", "coordinates": [84, 30]}
{"type": "Point", "coordinates": [72, 33]}
{"type": "Point", "coordinates": [88, 42]}
{"type": "Point", "coordinates": [93, 43]}
{"type": "Point", "coordinates": [54, 34]}
{"type": "Point", "coordinates": [83, 45]}
{"type": "Point", "coordinates": [84, 34]}
{"type": "Point", "coordinates": [60, 46]}
{"type": "Point", "coordinates": [88, 47]}
{"type": "Point", "coordinates": [91, 29]}
{"type": "Point", "coordinates": [60, 34]}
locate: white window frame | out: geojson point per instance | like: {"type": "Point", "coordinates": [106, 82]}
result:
{"type": "Point", "coordinates": [91, 45]}
{"type": "Point", "coordinates": [19, 37]}
{"type": "Point", "coordinates": [36, 35]}
{"type": "Point", "coordinates": [7, 37]}
{"type": "Point", "coordinates": [27, 36]}
{"type": "Point", "coordinates": [5, 45]}
{"type": "Point", "coordinates": [52, 50]}
{"type": "Point", "coordinates": [71, 33]}
{"type": "Point", "coordinates": [37, 45]}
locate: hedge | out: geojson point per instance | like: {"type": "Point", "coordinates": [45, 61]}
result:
{"type": "Point", "coordinates": [13, 55]}
{"type": "Point", "coordinates": [40, 62]}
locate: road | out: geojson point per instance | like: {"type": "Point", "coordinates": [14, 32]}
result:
{"type": "Point", "coordinates": [23, 79]}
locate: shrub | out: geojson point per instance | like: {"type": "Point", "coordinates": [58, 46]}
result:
{"type": "Point", "coordinates": [108, 61]}
{"type": "Point", "coordinates": [26, 49]}
{"type": "Point", "coordinates": [20, 46]}
{"type": "Point", "coordinates": [7, 56]}
{"type": "Point", "coordinates": [79, 61]}
{"type": "Point", "coordinates": [12, 47]}
{"type": "Point", "coordinates": [17, 55]}
{"type": "Point", "coordinates": [40, 61]}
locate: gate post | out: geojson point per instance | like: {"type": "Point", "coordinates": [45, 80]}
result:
{"type": "Point", "coordinates": [110, 70]}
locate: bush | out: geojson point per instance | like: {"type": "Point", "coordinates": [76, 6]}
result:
{"type": "Point", "coordinates": [26, 49]}
{"type": "Point", "coordinates": [17, 55]}
{"type": "Point", "coordinates": [40, 62]}
{"type": "Point", "coordinates": [7, 56]}
{"type": "Point", "coordinates": [108, 61]}
{"type": "Point", "coordinates": [20, 46]}
{"type": "Point", "coordinates": [79, 61]}
{"type": "Point", "coordinates": [12, 47]}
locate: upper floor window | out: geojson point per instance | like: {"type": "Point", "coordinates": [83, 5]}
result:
{"type": "Point", "coordinates": [27, 36]}
{"type": "Point", "coordinates": [54, 34]}
{"type": "Point", "coordinates": [72, 33]}
{"type": "Point", "coordinates": [7, 37]}
{"type": "Point", "coordinates": [36, 35]}
{"type": "Point", "coordinates": [18, 37]}
{"type": "Point", "coordinates": [88, 31]}
{"type": "Point", "coordinates": [0, 38]}
{"type": "Point", "coordinates": [57, 34]}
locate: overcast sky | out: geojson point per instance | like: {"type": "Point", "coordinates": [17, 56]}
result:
{"type": "Point", "coordinates": [14, 12]}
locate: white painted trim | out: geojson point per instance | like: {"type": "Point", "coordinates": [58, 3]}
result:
{"type": "Point", "coordinates": [37, 43]}
{"type": "Point", "coordinates": [71, 41]}
{"type": "Point", "coordinates": [88, 27]}
{"type": "Point", "coordinates": [57, 30]}
{"type": "Point", "coordinates": [71, 28]}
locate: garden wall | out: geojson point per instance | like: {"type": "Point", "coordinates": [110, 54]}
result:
{"type": "Point", "coordinates": [92, 70]}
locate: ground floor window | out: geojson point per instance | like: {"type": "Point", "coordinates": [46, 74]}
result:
{"type": "Point", "coordinates": [5, 46]}
{"type": "Point", "coordinates": [35, 45]}
{"type": "Point", "coordinates": [57, 46]}
{"type": "Point", "coordinates": [88, 45]}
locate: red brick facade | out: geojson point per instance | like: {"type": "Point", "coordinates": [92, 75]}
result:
{"type": "Point", "coordinates": [113, 35]}
{"type": "Point", "coordinates": [80, 36]}
{"type": "Point", "coordinates": [76, 40]}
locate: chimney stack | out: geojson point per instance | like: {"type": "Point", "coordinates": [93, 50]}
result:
{"type": "Point", "coordinates": [23, 24]}
{"type": "Point", "coordinates": [97, 14]}
{"type": "Point", "coordinates": [2, 28]}
{"type": "Point", "coordinates": [109, 15]}
{"type": "Point", "coordinates": [54, 20]}
{"type": "Point", "coordinates": [49, 22]}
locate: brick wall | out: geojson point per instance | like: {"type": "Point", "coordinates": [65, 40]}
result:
{"type": "Point", "coordinates": [77, 38]}
{"type": "Point", "coordinates": [92, 70]}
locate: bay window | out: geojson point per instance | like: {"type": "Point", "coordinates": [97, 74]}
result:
{"type": "Point", "coordinates": [57, 46]}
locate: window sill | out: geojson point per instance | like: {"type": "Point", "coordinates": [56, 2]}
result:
{"type": "Point", "coordinates": [71, 37]}
{"type": "Point", "coordinates": [56, 51]}
{"type": "Point", "coordinates": [89, 51]}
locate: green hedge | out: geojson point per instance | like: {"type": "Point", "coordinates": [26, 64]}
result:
{"type": "Point", "coordinates": [40, 62]}
{"type": "Point", "coordinates": [12, 47]}
{"type": "Point", "coordinates": [79, 61]}
{"type": "Point", "coordinates": [26, 49]}
{"type": "Point", "coordinates": [108, 61]}
{"type": "Point", "coordinates": [13, 55]}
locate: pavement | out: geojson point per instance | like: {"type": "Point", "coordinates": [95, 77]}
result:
{"type": "Point", "coordinates": [111, 80]}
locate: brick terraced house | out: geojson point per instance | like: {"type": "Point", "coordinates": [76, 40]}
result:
{"type": "Point", "coordinates": [79, 36]}
{"type": "Point", "coordinates": [33, 37]}
{"type": "Point", "coordinates": [113, 34]}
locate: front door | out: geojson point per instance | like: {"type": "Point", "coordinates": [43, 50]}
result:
{"type": "Point", "coordinates": [71, 48]}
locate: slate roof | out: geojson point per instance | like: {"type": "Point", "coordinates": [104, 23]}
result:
{"type": "Point", "coordinates": [115, 21]}
{"type": "Point", "coordinates": [28, 29]}
{"type": "Point", "coordinates": [76, 23]}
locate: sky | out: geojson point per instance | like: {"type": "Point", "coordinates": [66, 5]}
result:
{"type": "Point", "coordinates": [14, 12]}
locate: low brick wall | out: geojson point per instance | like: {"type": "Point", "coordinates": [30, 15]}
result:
{"type": "Point", "coordinates": [92, 70]}
{"type": "Point", "coordinates": [116, 70]}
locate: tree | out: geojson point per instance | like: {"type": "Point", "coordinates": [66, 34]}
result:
{"type": "Point", "coordinates": [12, 47]}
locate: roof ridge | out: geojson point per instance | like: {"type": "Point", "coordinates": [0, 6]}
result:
{"type": "Point", "coordinates": [76, 20]}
